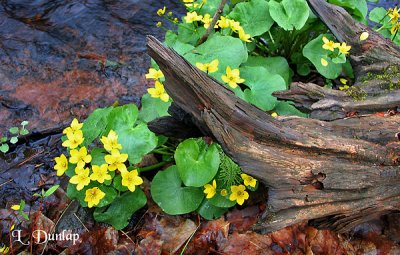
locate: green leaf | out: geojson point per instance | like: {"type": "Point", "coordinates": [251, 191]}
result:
{"type": "Point", "coordinates": [95, 124]}
{"type": "Point", "coordinates": [274, 65]}
{"type": "Point", "coordinates": [121, 210]}
{"type": "Point", "coordinates": [289, 14]}
{"type": "Point", "coordinates": [14, 140]}
{"type": "Point", "coordinates": [286, 108]}
{"type": "Point", "coordinates": [379, 15]}
{"type": "Point", "coordinates": [211, 7]}
{"type": "Point", "coordinates": [80, 195]}
{"type": "Point", "coordinates": [136, 141]}
{"type": "Point", "coordinates": [110, 196]}
{"type": "Point", "coordinates": [356, 8]}
{"type": "Point", "coordinates": [122, 117]}
{"type": "Point", "coordinates": [197, 162]}
{"type": "Point", "coordinates": [98, 156]}
{"type": "Point", "coordinates": [14, 130]}
{"type": "Point", "coordinates": [171, 40]}
{"type": "Point", "coordinates": [189, 34]}
{"type": "Point", "coordinates": [168, 193]}
{"type": "Point", "coordinates": [209, 212]}
{"type": "Point", "coordinates": [117, 183]}
{"type": "Point", "coordinates": [253, 16]}
{"type": "Point", "coordinates": [4, 147]}
{"type": "Point", "coordinates": [23, 131]}
{"type": "Point", "coordinates": [221, 201]}
{"type": "Point", "coordinates": [261, 85]}
{"type": "Point", "coordinates": [3, 139]}
{"type": "Point", "coordinates": [153, 108]}
{"type": "Point", "coordinates": [24, 123]}
{"type": "Point", "coordinates": [51, 190]}
{"type": "Point", "coordinates": [314, 52]}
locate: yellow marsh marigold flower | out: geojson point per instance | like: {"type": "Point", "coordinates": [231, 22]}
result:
{"type": "Point", "coordinates": [61, 164]}
{"type": "Point", "coordinates": [208, 67]}
{"type": "Point", "coordinates": [224, 192]}
{"type": "Point", "coordinates": [224, 22]}
{"type": "Point", "coordinates": [116, 161]}
{"type": "Point", "coordinates": [243, 36]}
{"type": "Point", "coordinates": [158, 92]}
{"type": "Point", "coordinates": [235, 26]}
{"type": "Point", "coordinates": [16, 207]}
{"type": "Point", "coordinates": [111, 141]}
{"type": "Point", "coordinates": [210, 189]}
{"type": "Point", "coordinates": [161, 12]}
{"type": "Point", "coordinates": [159, 24]}
{"type": "Point", "coordinates": [249, 180]}
{"type": "Point", "coordinates": [239, 194]}
{"type": "Point", "coordinates": [154, 74]}
{"type": "Point", "coordinates": [329, 45]}
{"type": "Point", "coordinates": [80, 157]}
{"type": "Point", "coordinates": [343, 81]}
{"type": "Point", "coordinates": [395, 28]}
{"type": "Point", "coordinates": [74, 139]}
{"type": "Point", "coordinates": [394, 15]}
{"type": "Point", "coordinates": [192, 16]}
{"type": "Point", "coordinates": [93, 196]}
{"type": "Point", "coordinates": [344, 87]}
{"type": "Point", "coordinates": [4, 249]}
{"type": "Point", "coordinates": [324, 62]}
{"type": "Point", "coordinates": [81, 178]}
{"type": "Point", "coordinates": [344, 48]}
{"type": "Point", "coordinates": [232, 77]}
{"type": "Point", "coordinates": [100, 173]}
{"type": "Point", "coordinates": [131, 179]}
{"type": "Point", "coordinates": [207, 21]}
{"type": "Point", "coordinates": [364, 36]}
{"type": "Point", "coordinates": [75, 126]}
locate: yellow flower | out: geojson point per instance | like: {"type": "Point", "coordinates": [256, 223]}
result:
{"type": "Point", "coordinates": [12, 227]}
{"type": "Point", "coordinates": [209, 67]}
{"type": "Point", "coordinates": [364, 36]}
{"type": "Point", "coordinates": [4, 249]}
{"type": "Point", "coordinates": [169, 14]}
{"type": "Point", "coordinates": [61, 164]}
{"type": "Point", "coordinates": [93, 196]}
{"type": "Point", "coordinates": [210, 190]}
{"type": "Point", "coordinates": [81, 178]}
{"type": "Point", "coordinates": [232, 77]}
{"type": "Point", "coordinates": [344, 87]}
{"type": "Point", "coordinates": [243, 36]}
{"type": "Point", "coordinates": [159, 24]}
{"type": "Point", "coordinates": [154, 74]}
{"type": "Point", "coordinates": [175, 21]}
{"type": "Point", "coordinates": [274, 114]}
{"type": "Point", "coordinates": [239, 194]}
{"type": "Point", "coordinates": [344, 48]}
{"type": "Point", "coordinates": [158, 92]}
{"type": "Point", "coordinates": [394, 15]}
{"type": "Point", "coordinates": [74, 139]}
{"type": "Point", "coordinates": [75, 126]}
{"type": "Point", "coordinates": [80, 157]}
{"type": "Point", "coordinates": [329, 45]}
{"type": "Point", "coordinates": [224, 192]}
{"type": "Point", "coordinates": [394, 29]}
{"type": "Point", "coordinates": [224, 22]}
{"type": "Point", "coordinates": [116, 161]}
{"type": "Point", "coordinates": [324, 62]}
{"type": "Point", "coordinates": [111, 141]}
{"type": "Point", "coordinates": [207, 21]}
{"type": "Point", "coordinates": [249, 180]}
{"type": "Point", "coordinates": [343, 81]}
{"type": "Point", "coordinates": [235, 26]}
{"type": "Point", "coordinates": [131, 179]}
{"type": "Point", "coordinates": [16, 207]}
{"type": "Point", "coordinates": [161, 12]}
{"type": "Point", "coordinates": [192, 16]}
{"type": "Point", "coordinates": [100, 173]}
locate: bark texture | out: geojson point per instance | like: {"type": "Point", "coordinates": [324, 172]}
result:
{"type": "Point", "coordinates": [339, 173]}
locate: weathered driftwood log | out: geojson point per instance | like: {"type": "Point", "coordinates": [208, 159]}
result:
{"type": "Point", "coordinates": [342, 172]}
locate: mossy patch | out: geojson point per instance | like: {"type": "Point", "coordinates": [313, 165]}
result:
{"type": "Point", "coordinates": [357, 93]}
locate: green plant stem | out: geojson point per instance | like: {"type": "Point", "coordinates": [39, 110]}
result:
{"type": "Point", "coordinates": [155, 166]}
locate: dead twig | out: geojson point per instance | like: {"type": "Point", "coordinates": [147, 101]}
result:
{"type": "Point", "coordinates": [213, 22]}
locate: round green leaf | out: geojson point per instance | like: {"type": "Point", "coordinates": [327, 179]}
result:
{"type": "Point", "coordinates": [168, 193]}
{"type": "Point", "coordinates": [14, 130]}
{"type": "Point", "coordinates": [121, 210]}
{"type": "Point", "coordinates": [379, 15]}
{"type": "Point", "coordinates": [153, 108]}
{"type": "Point", "coordinates": [95, 124]}
{"type": "Point", "coordinates": [122, 117]}
{"type": "Point", "coordinates": [289, 14]}
{"type": "Point", "coordinates": [261, 85]}
{"type": "Point", "coordinates": [357, 8]}
{"type": "Point", "coordinates": [4, 148]}
{"type": "Point", "coordinates": [14, 140]}
{"type": "Point", "coordinates": [253, 16]}
{"type": "Point", "coordinates": [274, 65]}
{"type": "Point", "coordinates": [221, 201]}
{"type": "Point", "coordinates": [197, 162]}
{"type": "Point", "coordinates": [24, 123]}
{"type": "Point", "coordinates": [136, 141]}
{"type": "Point", "coordinates": [209, 211]}
{"type": "Point", "coordinates": [286, 108]}
{"type": "Point", "coordinates": [314, 52]}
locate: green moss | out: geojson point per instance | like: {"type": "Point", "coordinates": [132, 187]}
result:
{"type": "Point", "coordinates": [390, 75]}
{"type": "Point", "coordinates": [357, 93]}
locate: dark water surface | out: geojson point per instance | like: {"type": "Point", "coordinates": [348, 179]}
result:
{"type": "Point", "coordinates": [64, 58]}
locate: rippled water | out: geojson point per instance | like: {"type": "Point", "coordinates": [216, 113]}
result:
{"type": "Point", "coordinates": [64, 58]}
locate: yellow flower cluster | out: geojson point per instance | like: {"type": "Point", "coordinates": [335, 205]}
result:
{"type": "Point", "coordinates": [394, 19]}
{"type": "Point", "coordinates": [235, 26]}
{"type": "Point", "coordinates": [85, 173]}
{"type": "Point", "coordinates": [158, 91]}
{"type": "Point", "coordinates": [238, 192]}
{"type": "Point", "coordinates": [329, 45]}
